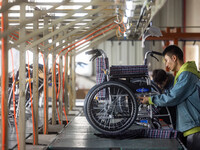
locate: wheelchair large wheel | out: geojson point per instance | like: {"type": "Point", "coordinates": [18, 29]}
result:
{"type": "Point", "coordinates": [110, 107]}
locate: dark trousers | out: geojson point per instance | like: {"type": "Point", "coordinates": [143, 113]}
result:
{"type": "Point", "coordinates": [193, 141]}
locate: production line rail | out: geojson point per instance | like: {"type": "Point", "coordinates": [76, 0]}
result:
{"type": "Point", "coordinates": [79, 135]}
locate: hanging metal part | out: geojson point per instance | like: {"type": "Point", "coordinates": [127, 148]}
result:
{"type": "Point", "coordinates": [138, 15]}
{"type": "Point", "coordinates": [150, 31]}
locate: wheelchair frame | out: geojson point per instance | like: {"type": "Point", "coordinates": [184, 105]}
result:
{"type": "Point", "coordinates": [112, 106]}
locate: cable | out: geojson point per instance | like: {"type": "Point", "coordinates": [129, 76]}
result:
{"type": "Point", "coordinates": [93, 27]}
{"type": "Point", "coordinates": [67, 53]}
{"type": "Point", "coordinates": [45, 96]}
{"type": "Point", "coordinates": [57, 95]}
{"type": "Point", "coordinates": [91, 38]}
{"type": "Point", "coordinates": [12, 37]}
{"type": "Point", "coordinates": [45, 93]}
{"type": "Point", "coordinates": [18, 37]}
{"type": "Point", "coordinates": [29, 80]}
{"type": "Point", "coordinates": [14, 107]}
{"type": "Point", "coordinates": [4, 124]}
{"type": "Point", "coordinates": [57, 92]}
{"type": "Point", "coordinates": [64, 92]}
{"type": "Point", "coordinates": [29, 75]}
{"type": "Point", "coordinates": [85, 37]}
{"type": "Point", "coordinates": [123, 27]}
{"type": "Point", "coordinates": [117, 34]}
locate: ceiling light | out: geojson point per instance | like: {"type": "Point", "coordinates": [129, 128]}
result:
{"type": "Point", "coordinates": [129, 5]}
{"type": "Point", "coordinates": [69, 7]}
{"type": "Point", "coordinates": [48, 1]}
{"type": "Point", "coordinates": [60, 14]}
{"type": "Point", "coordinates": [83, 1]}
{"type": "Point", "coordinates": [129, 13]}
{"type": "Point", "coordinates": [125, 19]}
{"type": "Point", "coordinates": [80, 14]}
{"type": "Point", "coordinates": [47, 7]}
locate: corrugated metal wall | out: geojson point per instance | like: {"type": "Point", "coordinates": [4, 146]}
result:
{"type": "Point", "coordinates": [123, 52]}
{"type": "Point", "coordinates": [170, 15]}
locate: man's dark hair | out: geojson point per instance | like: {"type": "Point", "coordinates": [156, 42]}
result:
{"type": "Point", "coordinates": [173, 50]}
{"type": "Point", "coordinates": [159, 75]}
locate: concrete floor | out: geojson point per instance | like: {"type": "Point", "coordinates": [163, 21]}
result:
{"type": "Point", "coordinates": [44, 140]}
{"type": "Point", "coordinates": [78, 135]}
{"type": "Point", "coordinates": [12, 138]}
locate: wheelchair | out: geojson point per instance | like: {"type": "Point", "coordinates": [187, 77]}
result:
{"type": "Point", "coordinates": [112, 105]}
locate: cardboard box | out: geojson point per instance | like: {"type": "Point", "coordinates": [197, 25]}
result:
{"type": "Point", "coordinates": [81, 93]}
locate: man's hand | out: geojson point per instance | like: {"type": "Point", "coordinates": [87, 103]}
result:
{"type": "Point", "coordinates": [144, 100]}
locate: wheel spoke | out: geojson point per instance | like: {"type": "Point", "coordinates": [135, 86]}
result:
{"type": "Point", "coordinates": [114, 112]}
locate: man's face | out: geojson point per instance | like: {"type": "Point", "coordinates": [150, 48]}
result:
{"type": "Point", "coordinates": [170, 62]}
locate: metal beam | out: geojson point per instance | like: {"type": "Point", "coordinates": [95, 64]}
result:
{"type": "Point", "coordinates": [70, 83]}
{"type": "Point", "coordinates": [45, 82]}
{"type": "Point", "coordinates": [60, 47]}
{"type": "Point", "coordinates": [66, 10]}
{"type": "Point", "coordinates": [5, 8]}
{"type": "Point", "coordinates": [37, 32]}
{"type": "Point", "coordinates": [22, 24]}
{"type": "Point", "coordinates": [100, 2]}
{"type": "Point", "coordinates": [53, 88]}
{"type": "Point", "coordinates": [60, 30]}
{"type": "Point", "coordinates": [35, 83]}
{"type": "Point", "coordinates": [61, 88]}
{"type": "Point", "coordinates": [22, 83]}
{"type": "Point", "coordinates": [105, 36]}
{"type": "Point", "coordinates": [66, 96]}
{"type": "Point", "coordinates": [179, 36]}
{"type": "Point", "coordinates": [73, 32]}
{"type": "Point", "coordinates": [4, 82]}
{"type": "Point", "coordinates": [74, 79]}
{"type": "Point", "coordinates": [16, 20]}
{"type": "Point", "coordinates": [98, 40]}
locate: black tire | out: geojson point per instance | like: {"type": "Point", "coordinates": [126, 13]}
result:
{"type": "Point", "coordinates": [113, 112]}
{"type": "Point", "coordinates": [157, 125]}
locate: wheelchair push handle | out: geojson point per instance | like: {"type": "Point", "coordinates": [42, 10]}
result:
{"type": "Point", "coordinates": [157, 53]}
{"type": "Point", "coordinates": [96, 53]}
{"type": "Point", "coordinates": [93, 51]}
{"type": "Point", "coordinates": [151, 53]}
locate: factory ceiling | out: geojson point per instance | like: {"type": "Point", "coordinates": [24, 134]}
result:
{"type": "Point", "coordinates": [53, 25]}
